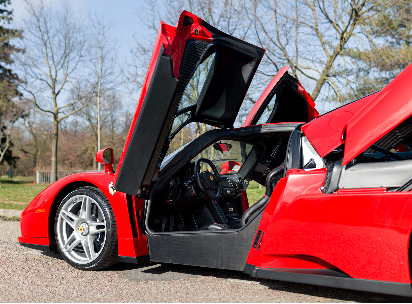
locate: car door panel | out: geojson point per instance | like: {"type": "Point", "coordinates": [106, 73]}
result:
{"type": "Point", "coordinates": [364, 234]}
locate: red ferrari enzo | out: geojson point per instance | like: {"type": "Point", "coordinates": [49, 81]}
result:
{"type": "Point", "coordinates": [337, 209]}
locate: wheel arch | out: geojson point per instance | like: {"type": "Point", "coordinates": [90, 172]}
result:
{"type": "Point", "coordinates": [56, 202]}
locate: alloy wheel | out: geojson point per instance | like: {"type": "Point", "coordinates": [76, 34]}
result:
{"type": "Point", "coordinates": [81, 229]}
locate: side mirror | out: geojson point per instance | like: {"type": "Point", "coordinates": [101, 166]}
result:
{"type": "Point", "coordinates": [106, 157]}
{"type": "Point", "coordinates": [230, 166]}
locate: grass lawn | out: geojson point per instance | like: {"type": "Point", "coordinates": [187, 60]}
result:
{"type": "Point", "coordinates": [18, 192]}
{"type": "Point", "coordinates": [254, 193]}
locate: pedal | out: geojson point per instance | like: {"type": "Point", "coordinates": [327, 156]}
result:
{"type": "Point", "coordinates": [171, 222]}
{"type": "Point", "coordinates": [164, 222]}
{"type": "Point", "coordinates": [181, 225]}
{"type": "Point", "coordinates": [157, 220]}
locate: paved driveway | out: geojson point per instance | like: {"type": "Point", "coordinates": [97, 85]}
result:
{"type": "Point", "coordinates": [29, 276]}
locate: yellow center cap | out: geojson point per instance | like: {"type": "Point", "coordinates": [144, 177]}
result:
{"type": "Point", "coordinates": [83, 229]}
{"type": "Point", "coordinates": [211, 177]}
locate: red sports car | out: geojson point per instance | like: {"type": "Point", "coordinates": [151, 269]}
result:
{"type": "Point", "coordinates": [337, 209]}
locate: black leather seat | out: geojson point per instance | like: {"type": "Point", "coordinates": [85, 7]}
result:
{"type": "Point", "coordinates": [271, 181]}
{"type": "Point", "coordinates": [213, 218]}
{"type": "Point", "coordinates": [293, 160]}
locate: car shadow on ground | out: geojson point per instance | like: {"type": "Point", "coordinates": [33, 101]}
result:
{"type": "Point", "coordinates": [168, 272]}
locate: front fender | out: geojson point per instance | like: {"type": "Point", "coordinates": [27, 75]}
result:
{"type": "Point", "coordinates": [37, 220]}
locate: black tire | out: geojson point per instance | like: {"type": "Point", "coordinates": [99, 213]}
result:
{"type": "Point", "coordinates": [85, 230]}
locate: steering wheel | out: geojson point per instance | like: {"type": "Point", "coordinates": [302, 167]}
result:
{"type": "Point", "coordinates": [208, 183]}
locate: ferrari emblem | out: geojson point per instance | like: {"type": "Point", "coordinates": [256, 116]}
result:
{"type": "Point", "coordinates": [80, 229]}
{"type": "Point", "coordinates": [211, 177]}
{"type": "Point", "coordinates": [112, 190]}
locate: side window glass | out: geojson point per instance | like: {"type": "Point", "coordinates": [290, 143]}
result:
{"type": "Point", "coordinates": [227, 155]}
{"type": "Point", "coordinates": [196, 83]}
{"type": "Point", "coordinates": [264, 118]}
{"type": "Point", "coordinates": [310, 158]}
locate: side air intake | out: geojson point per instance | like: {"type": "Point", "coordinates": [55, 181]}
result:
{"type": "Point", "coordinates": [191, 59]}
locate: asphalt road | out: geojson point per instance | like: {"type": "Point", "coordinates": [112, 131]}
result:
{"type": "Point", "coordinates": [29, 276]}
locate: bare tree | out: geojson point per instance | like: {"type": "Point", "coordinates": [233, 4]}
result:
{"type": "Point", "coordinates": [110, 108]}
{"type": "Point", "coordinates": [103, 63]}
{"type": "Point", "coordinates": [308, 35]}
{"type": "Point", "coordinates": [228, 16]}
{"type": "Point", "coordinates": [9, 114]}
{"type": "Point", "coordinates": [384, 48]}
{"type": "Point", "coordinates": [56, 47]}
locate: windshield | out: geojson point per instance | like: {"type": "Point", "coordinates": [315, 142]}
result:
{"type": "Point", "coordinates": [227, 155]}
{"type": "Point", "coordinates": [168, 158]}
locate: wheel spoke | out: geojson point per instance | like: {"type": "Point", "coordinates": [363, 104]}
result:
{"type": "Point", "coordinates": [70, 215]}
{"type": "Point", "coordinates": [96, 231]}
{"type": "Point", "coordinates": [74, 242]}
{"type": "Point", "coordinates": [67, 220]}
{"type": "Point", "coordinates": [89, 247]}
{"type": "Point", "coordinates": [93, 227]}
{"type": "Point", "coordinates": [86, 208]}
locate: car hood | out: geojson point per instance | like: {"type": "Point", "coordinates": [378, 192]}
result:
{"type": "Point", "coordinates": [387, 109]}
{"type": "Point", "coordinates": [361, 123]}
{"type": "Point", "coordinates": [325, 132]}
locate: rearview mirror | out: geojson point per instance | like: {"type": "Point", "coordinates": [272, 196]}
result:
{"type": "Point", "coordinates": [222, 147]}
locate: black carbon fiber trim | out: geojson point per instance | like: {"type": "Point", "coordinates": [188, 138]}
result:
{"type": "Point", "coordinates": [330, 278]}
{"type": "Point", "coordinates": [134, 260]}
{"type": "Point", "coordinates": [44, 248]}
{"type": "Point", "coordinates": [224, 249]}
{"type": "Point", "coordinates": [191, 59]}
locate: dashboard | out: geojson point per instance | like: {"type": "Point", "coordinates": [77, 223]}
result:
{"type": "Point", "coordinates": [183, 190]}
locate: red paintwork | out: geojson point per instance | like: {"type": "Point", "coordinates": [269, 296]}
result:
{"type": "Point", "coordinates": [36, 220]}
{"type": "Point", "coordinates": [264, 95]}
{"type": "Point", "coordinates": [364, 232]}
{"type": "Point", "coordinates": [325, 132]}
{"type": "Point", "coordinates": [108, 167]}
{"type": "Point", "coordinates": [183, 34]}
{"type": "Point", "coordinates": [99, 156]}
{"type": "Point", "coordinates": [173, 39]}
{"type": "Point", "coordinates": [312, 113]}
{"type": "Point", "coordinates": [245, 201]}
{"type": "Point", "coordinates": [385, 111]}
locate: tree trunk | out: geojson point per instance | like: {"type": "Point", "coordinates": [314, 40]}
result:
{"type": "Point", "coordinates": [55, 137]}
{"type": "Point", "coordinates": [98, 123]}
